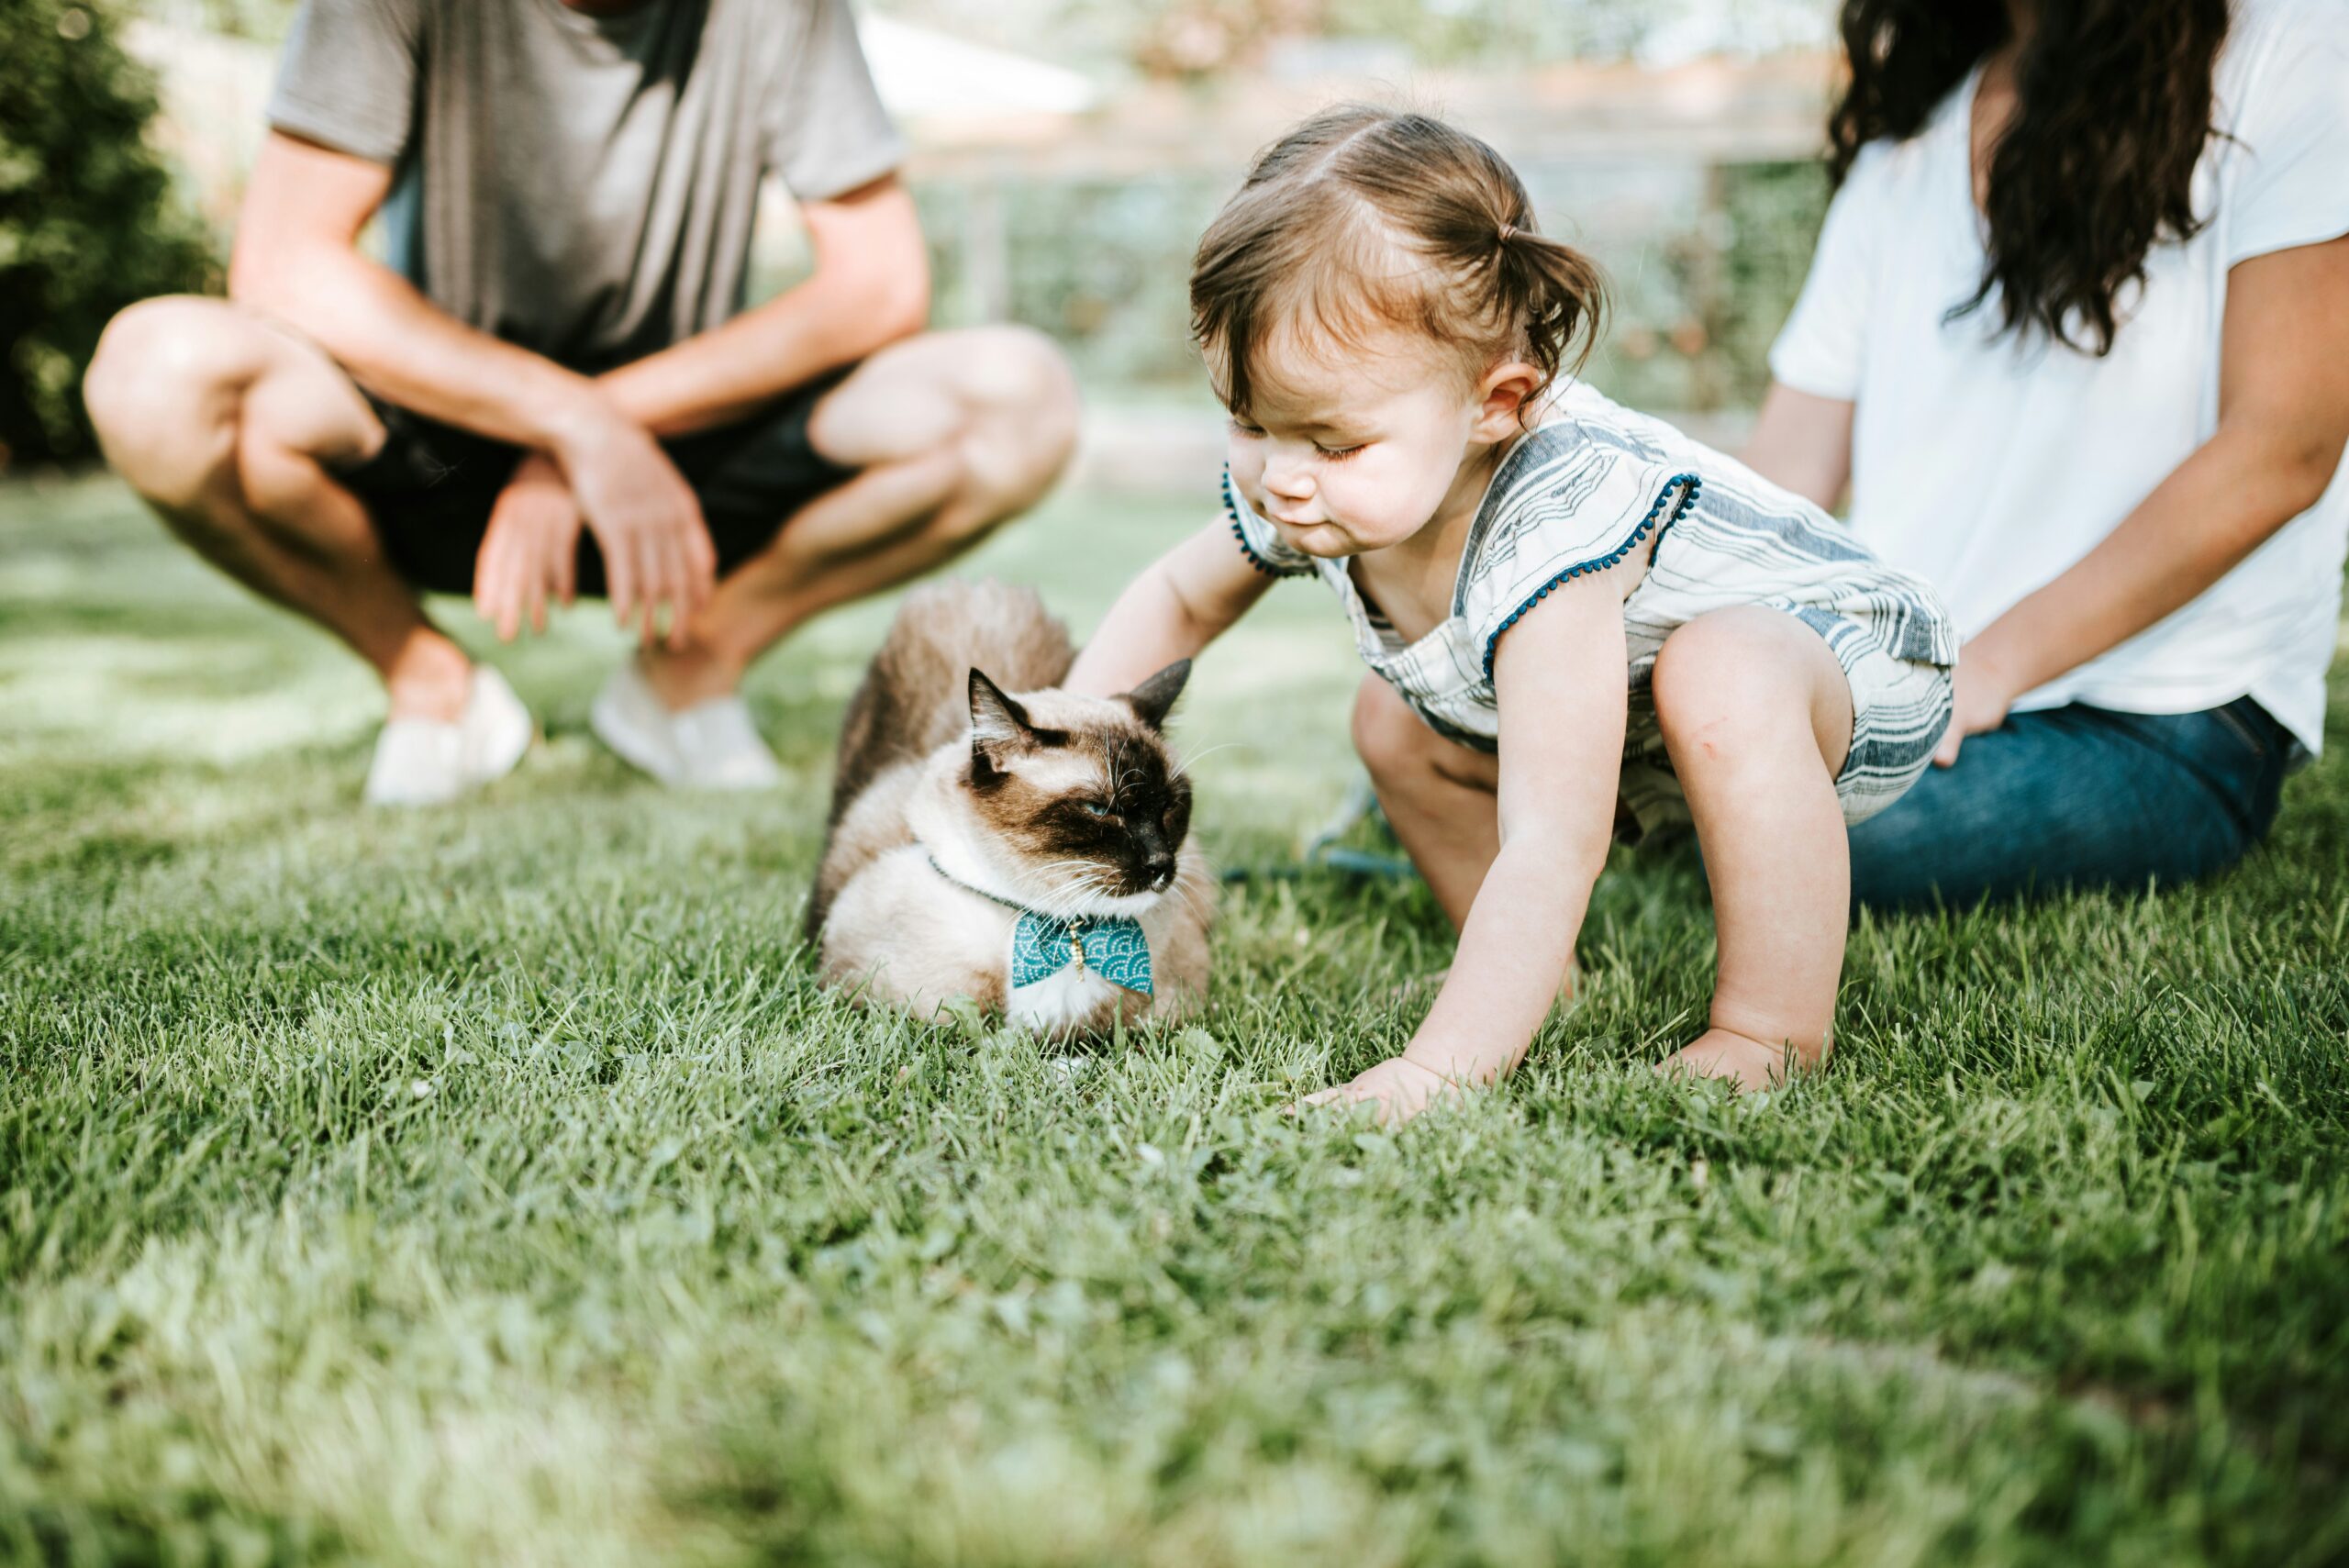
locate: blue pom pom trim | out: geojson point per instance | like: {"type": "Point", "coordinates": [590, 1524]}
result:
{"type": "Point", "coordinates": [1655, 523]}
{"type": "Point", "coordinates": [1240, 534]}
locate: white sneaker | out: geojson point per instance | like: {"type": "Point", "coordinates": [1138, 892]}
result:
{"type": "Point", "coordinates": [712, 745]}
{"type": "Point", "coordinates": [422, 761]}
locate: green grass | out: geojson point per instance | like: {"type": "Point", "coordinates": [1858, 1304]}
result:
{"type": "Point", "coordinates": [493, 1184]}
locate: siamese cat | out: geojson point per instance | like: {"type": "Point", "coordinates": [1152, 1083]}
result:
{"type": "Point", "coordinates": [997, 839]}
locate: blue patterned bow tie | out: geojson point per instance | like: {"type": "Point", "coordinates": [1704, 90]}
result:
{"type": "Point", "coordinates": [1111, 946]}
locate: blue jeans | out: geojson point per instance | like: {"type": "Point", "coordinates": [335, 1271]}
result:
{"type": "Point", "coordinates": [2077, 797]}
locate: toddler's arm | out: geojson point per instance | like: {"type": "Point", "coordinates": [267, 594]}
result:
{"type": "Point", "coordinates": [1559, 675]}
{"type": "Point", "coordinates": [1187, 599]}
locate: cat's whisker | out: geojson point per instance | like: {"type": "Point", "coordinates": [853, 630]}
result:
{"type": "Point", "coordinates": [1064, 901]}
{"type": "Point", "coordinates": [1182, 763]}
{"type": "Point", "coordinates": [1195, 899]}
{"type": "Point", "coordinates": [1192, 894]}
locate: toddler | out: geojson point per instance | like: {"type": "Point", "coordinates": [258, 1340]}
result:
{"type": "Point", "coordinates": [1660, 634]}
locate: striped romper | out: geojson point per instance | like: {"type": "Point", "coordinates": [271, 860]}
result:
{"type": "Point", "coordinates": [1589, 484]}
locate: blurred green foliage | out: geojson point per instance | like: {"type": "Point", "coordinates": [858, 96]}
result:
{"type": "Point", "coordinates": [1701, 275]}
{"type": "Point", "coordinates": [89, 220]}
{"type": "Point", "coordinates": [1197, 40]}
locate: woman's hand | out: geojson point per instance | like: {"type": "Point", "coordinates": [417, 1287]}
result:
{"type": "Point", "coordinates": [1399, 1088]}
{"type": "Point", "coordinates": [2283, 421]}
{"type": "Point", "coordinates": [529, 552]}
{"type": "Point", "coordinates": [1983, 695]}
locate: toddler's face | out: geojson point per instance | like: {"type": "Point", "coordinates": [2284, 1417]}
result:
{"type": "Point", "coordinates": [1353, 456]}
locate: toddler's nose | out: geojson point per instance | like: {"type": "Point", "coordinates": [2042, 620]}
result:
{"type": "Point", "coordinates": [1289, 482]}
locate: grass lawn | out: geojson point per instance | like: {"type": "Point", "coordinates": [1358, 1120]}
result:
{"type": "Point", "coordinates": [493, 1184]}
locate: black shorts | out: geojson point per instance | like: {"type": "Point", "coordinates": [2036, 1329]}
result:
{"type": "Point", "coordinates": [430, 488]}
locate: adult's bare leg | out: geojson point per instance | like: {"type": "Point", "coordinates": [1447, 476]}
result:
{"type": "Point", "coordinates": [953, 432]}
{"type": "Point", "coordinates": [225, 423]}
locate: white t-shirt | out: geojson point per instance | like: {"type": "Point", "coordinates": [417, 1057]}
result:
{"type": "Point", "coordinates": [1987, 465]}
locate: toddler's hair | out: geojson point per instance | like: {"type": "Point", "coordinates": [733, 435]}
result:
{"type": "Point", "coordinates": [1364, 216]}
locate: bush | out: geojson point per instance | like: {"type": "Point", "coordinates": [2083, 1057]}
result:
{"type": "Point", "coordinates": [88, 219]}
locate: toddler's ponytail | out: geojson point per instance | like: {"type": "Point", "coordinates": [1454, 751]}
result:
{"type": "Point", "coordinates": [1362, 217]}
{"type": "Point", "coordinates": [1555, 292]}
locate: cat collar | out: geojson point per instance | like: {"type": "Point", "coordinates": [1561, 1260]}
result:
{"type": "Point", "coordinates": [1111, 946]}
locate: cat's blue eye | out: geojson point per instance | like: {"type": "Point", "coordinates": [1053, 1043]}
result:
{"type": "Point", "coordinates": [1096, 808]}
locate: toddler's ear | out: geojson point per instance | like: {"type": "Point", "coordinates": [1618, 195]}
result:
{"type": "Point", "coordinates": [1154, 698]}
{"type": "Point", "coordinates": [1502, 398]}
{"type": "Point", "coordinates": [997, 721]}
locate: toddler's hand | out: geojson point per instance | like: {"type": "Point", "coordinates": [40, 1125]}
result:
{"type": "Point", "coordinates": [1398, 1086]}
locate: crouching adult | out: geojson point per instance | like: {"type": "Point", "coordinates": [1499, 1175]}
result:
{"type": "Point", "coordinates": [550, 386]}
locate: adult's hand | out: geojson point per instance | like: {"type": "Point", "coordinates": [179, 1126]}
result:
{"type": "Point", "coordinates": [1980, 702]}
{"type": "Point", "coordinates": [529, 553]}
{"type": "Point", "coordinates": [657, 550]}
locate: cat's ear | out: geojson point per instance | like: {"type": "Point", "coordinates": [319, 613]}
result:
{"type": "Point", "coordinates": [997, 721]}
{"type": "Point", "coordinates": [1154, 698]}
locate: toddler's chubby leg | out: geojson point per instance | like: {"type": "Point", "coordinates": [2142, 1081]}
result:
{"type": "Point", "coordinates": [1442, 798]}
{"type": "Point", "coordinates": [1757, 716]}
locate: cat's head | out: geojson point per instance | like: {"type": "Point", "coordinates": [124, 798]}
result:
{"type": "Point", "coordinates": [1081, 799]}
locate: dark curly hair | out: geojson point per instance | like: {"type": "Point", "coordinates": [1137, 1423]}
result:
{"type": "Point", "coordinates": [2114, 109]}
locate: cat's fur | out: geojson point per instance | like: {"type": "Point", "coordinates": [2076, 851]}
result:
{"type": "Point", "coordinates": [956, 752]}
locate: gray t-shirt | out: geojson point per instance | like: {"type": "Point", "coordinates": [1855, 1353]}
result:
{"type": "Point", "coordinates": [585, 186]}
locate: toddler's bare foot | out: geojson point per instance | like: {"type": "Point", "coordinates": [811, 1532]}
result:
{"type": "Point", "coordinates": [1744, 1060]}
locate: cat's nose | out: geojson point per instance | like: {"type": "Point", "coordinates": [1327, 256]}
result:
{"type": "Point", "coordinates": [1161, 869]}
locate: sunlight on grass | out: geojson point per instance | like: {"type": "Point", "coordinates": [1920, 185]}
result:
{"type": "Point", "coordinates": [495, 1184]}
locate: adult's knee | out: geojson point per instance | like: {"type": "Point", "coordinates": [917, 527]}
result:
{"type": "Point", "coordinates": [1019, 372]}
{"type": "Point", "coordinates": [1019, 404]}
{"type": "Point", "coordinates": [164, 391]}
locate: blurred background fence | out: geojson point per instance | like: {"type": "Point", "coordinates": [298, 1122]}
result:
{"type": "Point", "coordinates": [1067, 154]}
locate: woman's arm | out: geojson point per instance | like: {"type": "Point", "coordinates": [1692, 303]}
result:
{"type": "Point", "coordinates": [2283, 421]}
{"type": "Point", "coordinates": [1802, 442]}
{"type": "Point", "coordinates": [1561, 679]}
{"type": "Point", "coordinates": [1187, 598]}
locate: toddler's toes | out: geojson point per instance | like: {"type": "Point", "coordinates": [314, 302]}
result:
{"type": "Point", "coordinates": [1747, 1064]}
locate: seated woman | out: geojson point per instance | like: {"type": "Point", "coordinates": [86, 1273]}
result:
{"type": "Point", "coordinates": [2077, 336]}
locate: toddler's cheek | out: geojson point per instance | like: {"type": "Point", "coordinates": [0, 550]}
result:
{"type": "Point", "coordinates": [1246, 458]}
{"type": "Point", "coordinates": [1382, 514]}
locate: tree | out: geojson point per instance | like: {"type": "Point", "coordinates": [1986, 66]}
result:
{"type": "Point", "coordinates": [88, 218]}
